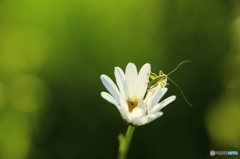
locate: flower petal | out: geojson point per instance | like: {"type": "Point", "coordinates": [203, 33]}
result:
{"type": "Point", "coordinates": [121, 82]}
{"type": "Point", "coordinates": [110, 99]}
{"type": "Point", "coordinates": [138, 112]}
{"type": "Point", "coordinates": [131, 79]}
{"type": "Point", "coordinates": [144, 120]}
{"type": "Point", "coordinates": [143, 80]}
{"type": "Point", "coordinates": [111, 87]}
{"type": "Point", "coordinates": [154, 116]}
{"type": "Point", "coordinates": [150, 95]}
{"type": "Point", "coordinates": [162, 104]}
{"type": "Point", "coordinates": [125, 114]}
{"type": "Point", "coordinates": [158, 95]}
{"type": "Point", "coordinates": [154, 96]}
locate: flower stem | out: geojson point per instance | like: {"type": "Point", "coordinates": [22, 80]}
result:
{"type": "Point", "coordinates": [124, 142]}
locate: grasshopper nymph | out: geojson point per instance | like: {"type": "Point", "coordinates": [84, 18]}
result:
{"type": "Point", "coordinates": [161, 80]}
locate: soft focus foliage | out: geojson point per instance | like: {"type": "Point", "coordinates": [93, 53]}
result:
{"type": "Point", "coordinates": [52, 54]}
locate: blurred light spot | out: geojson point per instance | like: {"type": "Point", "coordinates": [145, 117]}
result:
{"type": "Point", "coordinates": [233, 87]}
{"type": "Point", "coordinates": [22, 49]}
{"type": "Point", "coordinates": [28, 93]}
{"type": "Point", "coordinates": [2, 95]}
{"type": "Point", "coordinates": [236, 32]}
{"type": "Point", "coordinates": [222, 121]}
{"type": "Point", "coordinates": [14, 136]}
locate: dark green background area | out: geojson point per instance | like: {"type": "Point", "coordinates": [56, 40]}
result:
{"type": "Point", "coordinates": [52, 54]}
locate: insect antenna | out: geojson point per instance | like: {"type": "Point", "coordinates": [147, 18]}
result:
{"type": "Point", "coordinates": [178, 66]}
{"type": "Point", "coordinates": [180, 90]}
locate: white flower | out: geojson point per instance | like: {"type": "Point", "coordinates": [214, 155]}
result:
{"type": "Point", "coordinates": [135, 104]}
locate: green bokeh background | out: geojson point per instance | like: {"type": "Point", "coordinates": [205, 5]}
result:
{"type": "Point", "coordinates": [52, 54]}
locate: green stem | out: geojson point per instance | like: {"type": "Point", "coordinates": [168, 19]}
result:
{"type": "Point", "coordinates": [125, 142]}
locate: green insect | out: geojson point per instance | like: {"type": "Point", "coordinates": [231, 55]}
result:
{"type": "Point", "coordinates": [161, 80]}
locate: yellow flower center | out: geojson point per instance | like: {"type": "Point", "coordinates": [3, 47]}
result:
{"type": "Point", "coordinates": [132, 103]}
